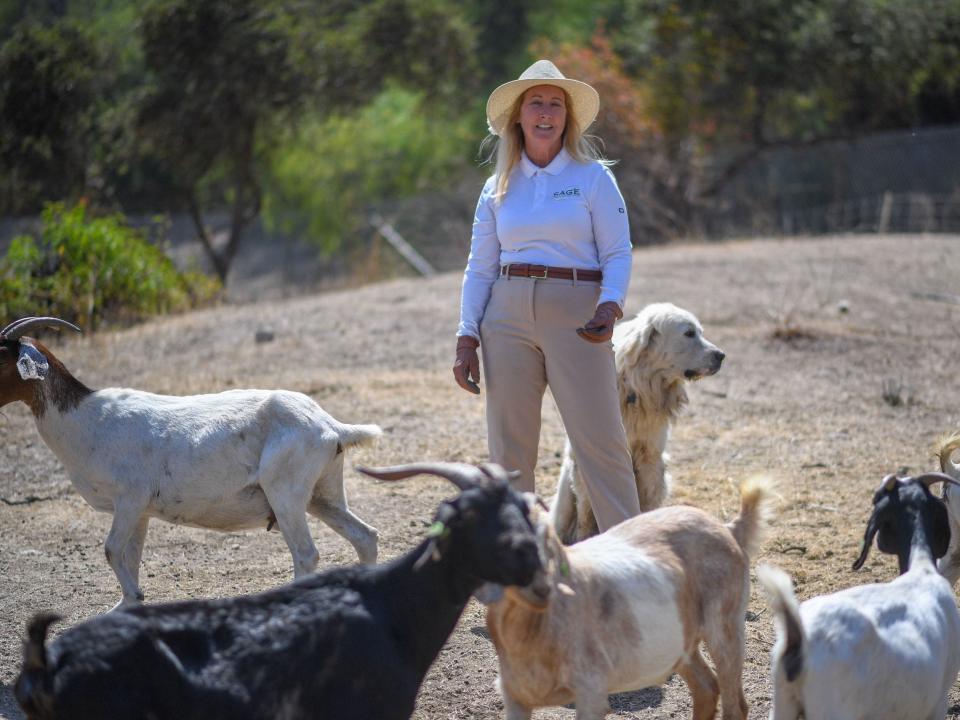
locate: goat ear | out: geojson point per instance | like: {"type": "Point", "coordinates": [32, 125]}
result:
{"type": "Point", "coordinates": [32, 363]}
{"type": "Point", "coordinates": [867, 542]}
{"type": "Point", "coordinates": [430, 552]}
{"type": "Point", "coordinates": [940, 542]}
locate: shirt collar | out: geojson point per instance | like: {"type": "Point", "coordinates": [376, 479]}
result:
{"type": "Point", "coordinates": [555, 167]}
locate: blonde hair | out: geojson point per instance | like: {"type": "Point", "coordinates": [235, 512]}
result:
{"type": "Point", "coordinates": [505, 149]}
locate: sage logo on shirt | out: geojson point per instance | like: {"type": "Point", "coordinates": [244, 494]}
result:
{"type": "Point", "coordinates": [568, 193]}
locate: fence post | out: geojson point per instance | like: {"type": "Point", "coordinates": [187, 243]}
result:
{"type": "Point", "coordinates": [406, 250]}
{"type": "Point", "coordinates": [885, 208]}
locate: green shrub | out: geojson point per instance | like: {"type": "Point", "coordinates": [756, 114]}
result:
{"type": "Point", "coordinates": [91, 270]}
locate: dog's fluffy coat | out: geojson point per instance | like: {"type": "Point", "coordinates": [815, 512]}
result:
{"type": "Point", "coordinates": [655, 353]}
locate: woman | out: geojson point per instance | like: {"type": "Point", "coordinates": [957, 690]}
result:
{"type": "Point", "coordinates": [550, 248]}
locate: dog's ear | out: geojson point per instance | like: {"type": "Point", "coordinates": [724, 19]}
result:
{"type": "Point", "coordinates": [648, 334]}
{"type": "Point", "coordinates": [636, 338]}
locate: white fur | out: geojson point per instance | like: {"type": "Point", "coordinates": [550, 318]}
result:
{"type": "Point", "coordinates": [656, 353]}
{"type": "Point", "coordinates": [949, 564]}
{"type": "Point", "coordinates": [880, 651]}
{"type": "Point", "coordinates": [226, 461]}
{"type": "Point", "coordinates": [625, 609]}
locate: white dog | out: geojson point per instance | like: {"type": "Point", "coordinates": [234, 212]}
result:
{"type": "Point", "coordinates": [949, 564]}
{"type": "Point", "coordinates": [656, 353]}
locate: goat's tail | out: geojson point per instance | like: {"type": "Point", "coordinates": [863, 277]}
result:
{"type": "Point", "coordinates": [945, 447]}
{"type": "Point", "coordinates": [786, 612]}
{"type": "Point", "coordinates": [755, 501]}
{"type": "Point", "coordinates": [351, 435]}
{"type": "Point", "coordinates": [32, 688]}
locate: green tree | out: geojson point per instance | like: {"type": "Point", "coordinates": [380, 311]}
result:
{"type": "Point", "coordinates": [222, 72]}
{"type": "Point", "coordinates": [50, 80]}
{"type": "Point", "coordinates": [229, 77]}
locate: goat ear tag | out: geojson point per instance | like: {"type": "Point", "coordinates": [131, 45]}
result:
{"type": "Point", "coordinates": [436, 530]}
{"type": "Point", "coordinates": [31, 363]}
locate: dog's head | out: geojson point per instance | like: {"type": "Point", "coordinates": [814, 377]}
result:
{"type": "Point", "coordinates": [668, 340]}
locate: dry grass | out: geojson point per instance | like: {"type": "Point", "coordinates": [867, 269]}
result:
{"type": "Point", "coordinates": [813, 329]}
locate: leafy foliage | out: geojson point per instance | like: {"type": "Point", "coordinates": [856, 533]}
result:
{"type": "Point", "coordinates": [48, 92]}
{"type": "Point", "coordinates": [204, 105]}
{"type": "Point", "coordinates": [756, 72]}
{"type": "Point", "coordinates": [221, 71]}
{"type": "Point", "coordinates": [91, 270]}
{"type": "Point", "coordinates": [229, 73]}
{"type": "Point", "coordinates": [323, 181]}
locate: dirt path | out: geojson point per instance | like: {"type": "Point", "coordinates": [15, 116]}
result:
{"type": "Point", "coordinates": [806, 406]}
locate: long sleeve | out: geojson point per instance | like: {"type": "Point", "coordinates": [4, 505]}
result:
{"type": "Point", "coordinates": [611, 232]}
{"type": "Point", "coordinates": [483, 265]}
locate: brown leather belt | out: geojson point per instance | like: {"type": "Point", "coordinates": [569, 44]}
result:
{"type": "Point", "coordinates": [542, 272]}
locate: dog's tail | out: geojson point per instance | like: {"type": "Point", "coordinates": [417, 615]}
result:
{"type": "Point", "coordinates": [353, 435]}
{"type": "Point", "coordinates": [944, 449]}
{"type": "Point", "coordinates": [786, 611]}
{"type": "Point", "coordinates": [755, 501]}
{"type": "Point", "coordinates": [33, 686]}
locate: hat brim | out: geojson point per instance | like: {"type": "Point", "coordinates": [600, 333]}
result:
{"type": "Point", "coordinates": [584, 99]}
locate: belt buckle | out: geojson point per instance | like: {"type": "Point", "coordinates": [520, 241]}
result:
{"type": "Point", "coordinates": [538, 277]}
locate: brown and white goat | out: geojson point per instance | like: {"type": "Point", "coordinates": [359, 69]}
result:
{"type": "Point", "coordinates": [625, 609]}
{"type": "Point", "coordinates": [226, 461]}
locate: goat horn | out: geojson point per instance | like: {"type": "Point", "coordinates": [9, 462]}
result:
{"type": "Point", "coordinates": [889, 482]}
{"type": "Point", "coordinates": [931, 478]}
{"type": "Point", "coordinates": [460, 474]}
{"type": "Point", "coordinates": [499, 474]}
{"type": "Point", "coordinates": [18, 328]}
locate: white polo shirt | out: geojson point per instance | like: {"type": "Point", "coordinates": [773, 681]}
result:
{"type": "Point", "coordinates": [567, 214]}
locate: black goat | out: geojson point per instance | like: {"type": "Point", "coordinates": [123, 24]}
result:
{"type": "Point", "coordinates": [352, 642]}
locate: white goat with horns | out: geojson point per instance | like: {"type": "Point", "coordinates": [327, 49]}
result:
{"type": "Point", "coordinates": [884, 651]}
{"type": "Point", "coordinates": [227, 461]}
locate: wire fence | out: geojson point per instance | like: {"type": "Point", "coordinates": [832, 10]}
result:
{"type": "Point", "coordinates": [886, 213]}
{"type": "Point", "coordinates": [898, 182]}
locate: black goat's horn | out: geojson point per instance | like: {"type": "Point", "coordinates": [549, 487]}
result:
{"type": "Point", "coordinates": [889, 482]}
{"type": "Point", "coordinates": [460, 474]}
{"type": "Point", "coordinates": [498, 473]}
{"type": "Point", "coordinates": [18, 328]}
{"type": "Point", "coordinates": [932, 478]}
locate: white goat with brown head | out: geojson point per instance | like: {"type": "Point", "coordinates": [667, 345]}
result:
{"type": "Point", "coordinates": [226, 461]}
{"type": "Point", "coordinates": [625, 609]}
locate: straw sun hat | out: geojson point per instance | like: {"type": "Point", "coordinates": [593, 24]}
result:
{"type": "Point", "coordinates": [584, 100]}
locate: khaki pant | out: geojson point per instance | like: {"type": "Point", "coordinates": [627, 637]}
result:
{"type": "Point", "coordinates": [529, 341]}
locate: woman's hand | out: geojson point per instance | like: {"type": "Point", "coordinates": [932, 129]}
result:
{"type": "Point", "coordinates": [600, 327]}
{"type": "Point", "coordinates": [467, 364]}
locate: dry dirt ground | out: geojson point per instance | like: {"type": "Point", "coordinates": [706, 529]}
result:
{"type": "Point", "coordinates": [801, 396]}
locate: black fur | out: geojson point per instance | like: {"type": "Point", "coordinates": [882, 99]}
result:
{"type": "Point", "coordinates": [349, 643]}
{"type": "Point", "coordinates": [906, 516]}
